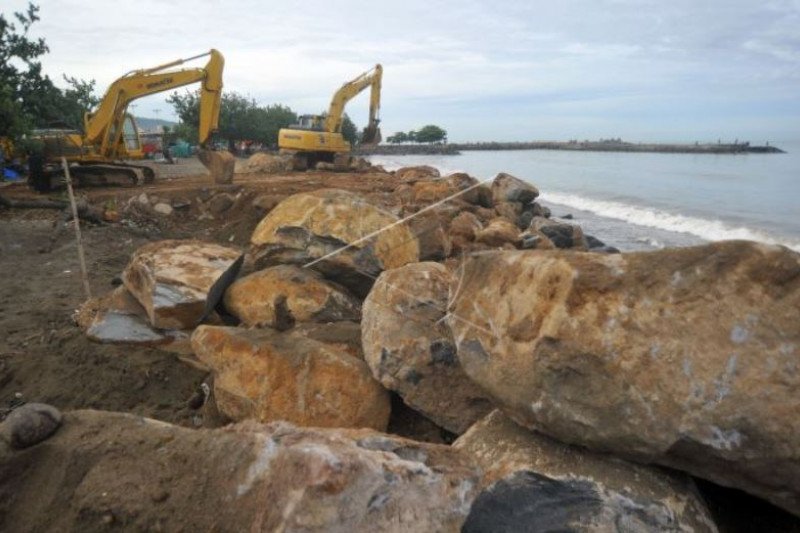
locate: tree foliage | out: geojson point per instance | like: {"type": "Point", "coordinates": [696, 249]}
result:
{"type": "Point", "coordinates": [431, 134]}
{"type": "Point", "coordinates": [427, 134]}
{"type": "Point", "coordinates": [240, 118]}
{"type": "Point", "coordinates": [28, 97]}
{"type": "Point", "coordinates": [350, 131]}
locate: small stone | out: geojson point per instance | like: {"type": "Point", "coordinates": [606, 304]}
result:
{"type": "Point", "coordinates": [163, 209]}
{"type": "Point", "coordinates": [30, 424]}
{"type": "Point", "coordinates": [220, 203]}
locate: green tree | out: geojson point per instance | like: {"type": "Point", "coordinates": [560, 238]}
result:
{"type": "Point", "coordinates": [28, 97]}
{"type": "Point", "coordinates": [240, 118]}
{"type": "Point", "coordinates": [19, 69]}
{"type": "Point", "coordinates": [398, 138]}
{"type": "Point", "coordinates": [350, 131]}
{"type": "Point", "coordinates": [431, 134]}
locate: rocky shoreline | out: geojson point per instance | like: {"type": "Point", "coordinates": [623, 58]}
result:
{"type": "Point", "coordinates": [563, 385]}
{"type": "Point", "coordinates": [577, 146]}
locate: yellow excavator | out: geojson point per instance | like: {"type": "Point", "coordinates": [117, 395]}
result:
{"type": "Point", "coordinates": [100, 155]}
{"type": "Point", "coordinates": [319, 137]}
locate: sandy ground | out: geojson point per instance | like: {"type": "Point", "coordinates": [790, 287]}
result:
{"type": "Point", "coordinates": [44, 357]}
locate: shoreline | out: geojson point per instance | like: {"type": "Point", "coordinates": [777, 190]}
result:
{"type": "Point", "coordinates": [587, 146]}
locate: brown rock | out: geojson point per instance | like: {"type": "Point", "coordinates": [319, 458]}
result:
{"type": "Point", "coordinates": [434, 243]}
{"type": "Point", "coordinates": [534, 240]}
{"type": "Point", "coordinates": [500, 231]}
{"type": "Point", "coordinates": [404, 194]}
{"type": "Point", "coordinates": [684, 357]}
{"type": "Point", "coordinates": [411, 174]}
{"type": "Point", "coordinates": [465, 225]}
{"type": "Point", "coordinates": [562, 234]}
{"type": "Point", "coordinates": [465, 186]}
{"type": "Point", "coordinates": [266, 163]}
{"type": "Point", "coordinates": [410, 349]}
{"type": "Point", "coordinates": [172, 279]}
{"type": "Point", "coordinates": [518, 464]}
{"type": "Point", "coordinates": [344, 335]}
{"type": "Point", "coordinates": [341, 234]}
{"type": "Point", "coordinates": [120, 471]}
{"type": "Point", "coordinates": [118, 318]}
{"type": "Point", "coordinates": [509, 210]}
{"type": "Point", "coordinates": [30, 424]}
{"type": "Point", "coordinates": [507, 188]}
{"type": "Point", "coordinates": [428, 192]}
{"type": "Point", "coordinates": [281, 295]}
{"type": "Point", "coordinates": [485, 197]}
{"type": "Point", "coordinates": [269, 375]}
{"type": "Point", "coordinates": [219, 203]}
{"type": "Point", "coordinates": [539, 210]}
{"type": "Point", "coordinates": [267, 202]}
{"type": "Point", "coordinates": [485, 215]}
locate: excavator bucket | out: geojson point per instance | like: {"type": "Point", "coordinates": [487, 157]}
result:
{"type": "Point", "coordinates": [219, 164]}
{"type": "Point", "coordinates": [371, 135]}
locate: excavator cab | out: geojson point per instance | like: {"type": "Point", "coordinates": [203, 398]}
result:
{"type": "Point", "coordinates": [309, 123]}
{"type": "Point", "coordinates": [130, 136]}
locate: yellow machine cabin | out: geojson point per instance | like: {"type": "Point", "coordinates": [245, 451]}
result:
{"type": "Point", "coordinates": [319, 137]}
{"type": "Point", "coordinates": [111, 135]}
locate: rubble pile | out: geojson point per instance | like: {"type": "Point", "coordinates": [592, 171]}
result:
{"type": "Point", "coordinates": [568, 374]}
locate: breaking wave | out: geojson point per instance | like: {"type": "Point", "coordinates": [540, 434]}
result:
{"type": "Point", "coordinates": [711, 230]}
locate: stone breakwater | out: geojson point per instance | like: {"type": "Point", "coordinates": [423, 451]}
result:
{"type": "Point", "coordinates": [577, 146]}
{"type": "Point", "coordinates": [558, 376]}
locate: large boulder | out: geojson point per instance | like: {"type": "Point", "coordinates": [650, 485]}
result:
{"type": "Point", "coordinates": [410, 349]}
{"type": "Point", "coordinates": [412, 174]}
{"type": "Point", "coordinates": [434, 243]}
{"type": "Point", "coordinates": [507, 188]}
{"type": "Point", "coordinates": [561, 234]}
{"type": "Point", "coordinates": [119, 318]}
{"type": "Point", "coordinates": [338, 233]}
{"type": "Point", "coordinates": [430, 191]}
{"type": "Point", "coordinates": [105, 471]}
{"type": "Point", "coordinates": [465, 226]}
{"type": "Point", "coordinates": [268, 375]}
{"type": "Point", "coordinates": [281, 295]}
{"type": "Point", "coordinates": [172, 279]}
{"type": "Point", "coordinates": [685, 357]}
{"type": "Point", "coordinates": [466, 187]}
{"type": "Point", "coordinates": [537, 479]}
{"type": "Point", "coordinates": [499, 232]}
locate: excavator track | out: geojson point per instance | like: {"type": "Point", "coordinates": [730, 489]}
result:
{"type": "Point", "coordinates": [111, 175]}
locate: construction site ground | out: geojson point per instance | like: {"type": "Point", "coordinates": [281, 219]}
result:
{"type": "Point", "coordinates": [44, 357]}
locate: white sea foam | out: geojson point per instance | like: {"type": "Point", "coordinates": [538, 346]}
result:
{"type": "Point", "coordinates": [712, 230]}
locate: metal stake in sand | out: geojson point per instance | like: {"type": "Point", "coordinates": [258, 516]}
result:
{"type": "Point", "coordinates": [77, 222]}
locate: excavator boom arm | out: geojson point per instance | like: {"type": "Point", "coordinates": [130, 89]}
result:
{"type": "Point", "coordinates": [348, 91]}
{"type": "Point", "coordinates": [106, 121]}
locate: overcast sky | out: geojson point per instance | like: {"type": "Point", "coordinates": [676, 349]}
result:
{"type": "Point", "coordinates": [681, 70]}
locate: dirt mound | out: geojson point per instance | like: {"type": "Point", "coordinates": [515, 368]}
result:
{"type": "Point", "coordinates": [266, 163]}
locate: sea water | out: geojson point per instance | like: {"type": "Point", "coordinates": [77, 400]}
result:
{"type": "Point", "coordinates": [638, 201]}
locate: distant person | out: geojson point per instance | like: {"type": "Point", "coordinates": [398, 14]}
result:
{"type": "Point", "coordinates": [2, 163]}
